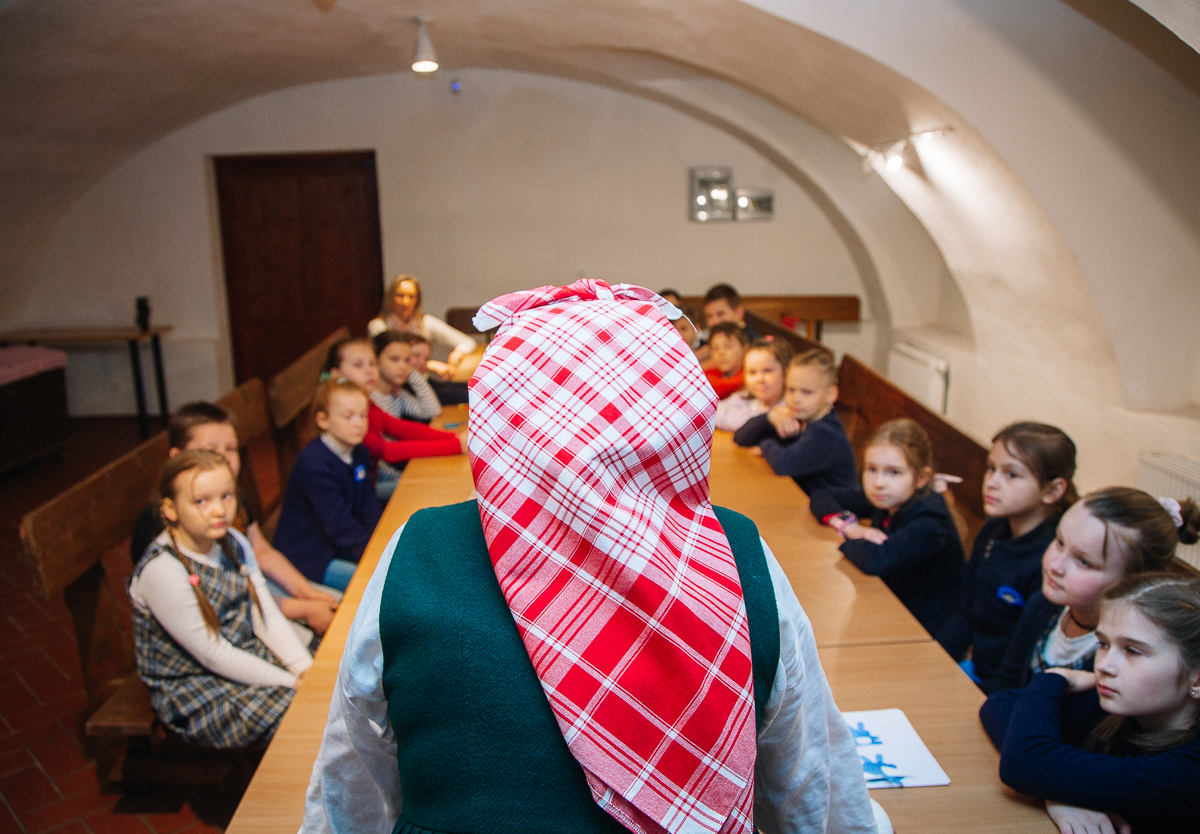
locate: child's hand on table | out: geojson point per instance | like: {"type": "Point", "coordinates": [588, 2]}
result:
{"type": "Point", "coordinates": [1072, 820]}
{"type": "Point", "coordinates": [858, 531]}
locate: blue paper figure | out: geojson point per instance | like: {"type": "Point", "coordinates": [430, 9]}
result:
{"type": "Point", "coordinates": [874, 771]}
{"type": "Point", "coordinates": [863, 737]}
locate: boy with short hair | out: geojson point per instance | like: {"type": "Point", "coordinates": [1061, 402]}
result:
{"type": "Point", "coordinates": [727, 342]}
{"type": "Point", "coordinates": [204, 425]}
{"type": "Point", "coordinates": [723, 303]}
{"type": "Point", "coordinates": [803, 437]}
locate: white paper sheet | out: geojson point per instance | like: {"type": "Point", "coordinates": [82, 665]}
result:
{"type": "Point", "coordinates": [892, 754]}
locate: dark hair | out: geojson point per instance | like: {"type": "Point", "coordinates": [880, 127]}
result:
{"type": "Point", "coordinates": [199, 460]}
{"type": "Point", "coordinates": [822, 358]}
{"type": "Point", "coordinates": [184, 421]}
{"type": "Point", "coordinates": [389, 297]}
{"type": "Point", "coordinates": [778, 348]}
{"type": "Point", "coordinates": [723, 292]}
{"type": "Point", "coordinates": [1171, 601]}
{"type": "Point", "coordinates": [1143, 530]}
{"type": "Point", "coordinates": [731, 329]}
{"type": "Point", "coordinates": [334, 358]}
{"type": "Point", "coordinates": [669, 291]}
{"type": "Point", "coordinates": [1048, 453]}
{"type": "Point", "coordinates": [387, 337]}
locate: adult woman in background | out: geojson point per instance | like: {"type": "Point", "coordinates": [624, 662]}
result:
{"type": "Point", "coordinates": [401, 311]}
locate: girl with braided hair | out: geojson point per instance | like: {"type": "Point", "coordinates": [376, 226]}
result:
{"type": "Point", "coordinates": [219, 658]}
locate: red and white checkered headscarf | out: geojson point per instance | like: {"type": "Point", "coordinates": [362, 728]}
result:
{"type": "Point", "coordinates": [591, 424]}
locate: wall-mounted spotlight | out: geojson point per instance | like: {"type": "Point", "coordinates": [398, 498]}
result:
{"type": "Point", "coordinates": [424, 58]}
{"type": "Point", "coordinates": [891, 154]}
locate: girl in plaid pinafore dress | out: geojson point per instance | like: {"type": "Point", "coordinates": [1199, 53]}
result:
{"type": "Point", "coordinates": [221, 678]}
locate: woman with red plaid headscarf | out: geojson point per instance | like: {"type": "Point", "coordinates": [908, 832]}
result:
{"type": "Point", "coordinates": [589, 646]}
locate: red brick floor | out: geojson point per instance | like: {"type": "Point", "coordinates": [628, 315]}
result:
{"type": "Point", "coordinates": [47, 781]}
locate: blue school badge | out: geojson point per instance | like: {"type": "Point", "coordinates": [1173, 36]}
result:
{"type": "Point", "coordinates": [1010, 596]}
{"type": "Point", "coordinates": [360, 473]}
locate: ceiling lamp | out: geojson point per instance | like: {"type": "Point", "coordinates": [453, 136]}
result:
{"type": "Point", "coordinates": [424, 58]}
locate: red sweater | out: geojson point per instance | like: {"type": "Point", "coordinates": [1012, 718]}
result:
{"type": "Point", "coordinates": [394, 440]}
{"type": "Point", "coordinates": [725, 385]}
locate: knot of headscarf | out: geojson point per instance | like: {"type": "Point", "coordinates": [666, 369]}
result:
{"type": "Point", "coordinates": [590, 431]}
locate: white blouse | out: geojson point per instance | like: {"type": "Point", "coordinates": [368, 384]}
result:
{"type": "Point", "coordinates": [161, 589]}
{"type": "Point", "coordinates": [807, 776]}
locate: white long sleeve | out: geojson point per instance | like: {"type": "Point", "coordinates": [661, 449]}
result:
{"type": "Point", "coordinates": [441, 334]}
{"type": "Point", "coordinates": [736, 409]}
{"type": "Point", "coordinates": [162, 589]}
{"type": "Point", "coordinates": [807, 776]}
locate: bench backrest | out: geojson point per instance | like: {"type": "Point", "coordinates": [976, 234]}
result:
{"type": "Point", "coordinates": [259, 480]}
{"type": "Point", "coordinates": [766, 327]}
{"type": "Point", "coordinates": [867, 400]}
{"type": "Point", "coordinates": [66, 542]}
{"type": "Point", "coordinates": [290, 392]}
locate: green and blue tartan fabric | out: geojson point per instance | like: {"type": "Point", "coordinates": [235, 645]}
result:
{"type": "Point", "coordinates": [206, 709]}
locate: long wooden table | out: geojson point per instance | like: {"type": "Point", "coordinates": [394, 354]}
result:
{"type": "Point", "coordinates": [874, 653]}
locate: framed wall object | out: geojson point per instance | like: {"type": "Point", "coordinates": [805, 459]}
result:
{"type": "Point", "coordinates": [711, 194]}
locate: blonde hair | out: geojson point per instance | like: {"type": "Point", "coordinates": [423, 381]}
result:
{"type": "Point", "coordinates": [389, 298]}
{"type": "Point", "coordinates": [334, 385]}
{"type": "Point", "coordinates": [197, 460]}
{"type": "Point", "coordinates": [778, 348]}
{"type": "Point", "coordinates": [907, 436]}
{"type": "Point", "coordinates": [822, 359]}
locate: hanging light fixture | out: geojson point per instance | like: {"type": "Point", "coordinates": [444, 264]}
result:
{"type": "Point", "coordinates": [424, 58]}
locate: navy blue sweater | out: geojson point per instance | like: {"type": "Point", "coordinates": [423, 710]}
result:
{"type": "Point", "coordinates": [820, 457]}
{"type": "Point", "coordinates": [329, 510]}
{"type": "Point", "coordinates": [1015, 671]}
{"type": "Point", "coordinates": [922, 559]}
{"type": "Point", "coordinates": [1154, 792]}
{"type": "Point", "coordinates": [1003, 574]}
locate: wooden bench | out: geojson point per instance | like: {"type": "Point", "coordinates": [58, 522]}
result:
{"type": "Point", "coordinates": [867, 400]}
{"type": "Point", "coordinates": [76, 545]}
{"type": "Point", "coordinates": [289, 393]}
{"type": "Point", "coordinates": [260, 480]}
{"type": "Point", "coordinates": [813, 310]}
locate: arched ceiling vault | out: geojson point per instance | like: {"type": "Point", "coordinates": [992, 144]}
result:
{"type": "Point", "coordinates": [84, 86]}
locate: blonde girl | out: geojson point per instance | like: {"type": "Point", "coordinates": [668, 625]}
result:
{"type": "Point", "coordinates": [1106, 536]}
{"type": "Point", "coordinates": [219, 658]}
{"type": "Point", "coordinates": [763, 372]}
{"type": "Point", "coordinates": [1139, 713]}
{"type": "Point", "coordinates": [912, 542]}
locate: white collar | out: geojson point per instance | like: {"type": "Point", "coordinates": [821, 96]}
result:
{"type": "Point", "coordinates": [339, 448]}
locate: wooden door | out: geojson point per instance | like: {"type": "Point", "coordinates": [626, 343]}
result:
{"type": "Point", "coordinates": [302, 252]}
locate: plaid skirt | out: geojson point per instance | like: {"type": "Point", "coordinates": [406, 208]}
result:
{"type": "Point", "coordinates": [206, 709]}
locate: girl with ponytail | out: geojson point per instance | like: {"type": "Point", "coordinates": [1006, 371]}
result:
{"type": "Point", "coordinates": [219, 658]}
{"type": "Point", "coordinates": [1117, 749]}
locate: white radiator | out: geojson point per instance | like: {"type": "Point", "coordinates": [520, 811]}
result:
{"type": "Point", "coordinates": [923, 375]}
{"type": "Point", "coordinates": [1165, 475]}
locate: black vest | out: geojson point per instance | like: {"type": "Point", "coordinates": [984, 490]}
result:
{"type": "Point", "coordinates": [478, 745]}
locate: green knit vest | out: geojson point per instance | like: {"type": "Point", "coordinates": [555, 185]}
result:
{"type": "Point", "coordinates": [479, 748]}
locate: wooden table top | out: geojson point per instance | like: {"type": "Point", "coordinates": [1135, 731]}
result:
{"type": "Point", "coordinates": [82, 335]}
{"type": "Point", "coordinates": [875, 655]}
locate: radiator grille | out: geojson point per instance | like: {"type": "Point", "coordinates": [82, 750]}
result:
{"type": "Point", "coordinates": [1163, 474]}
